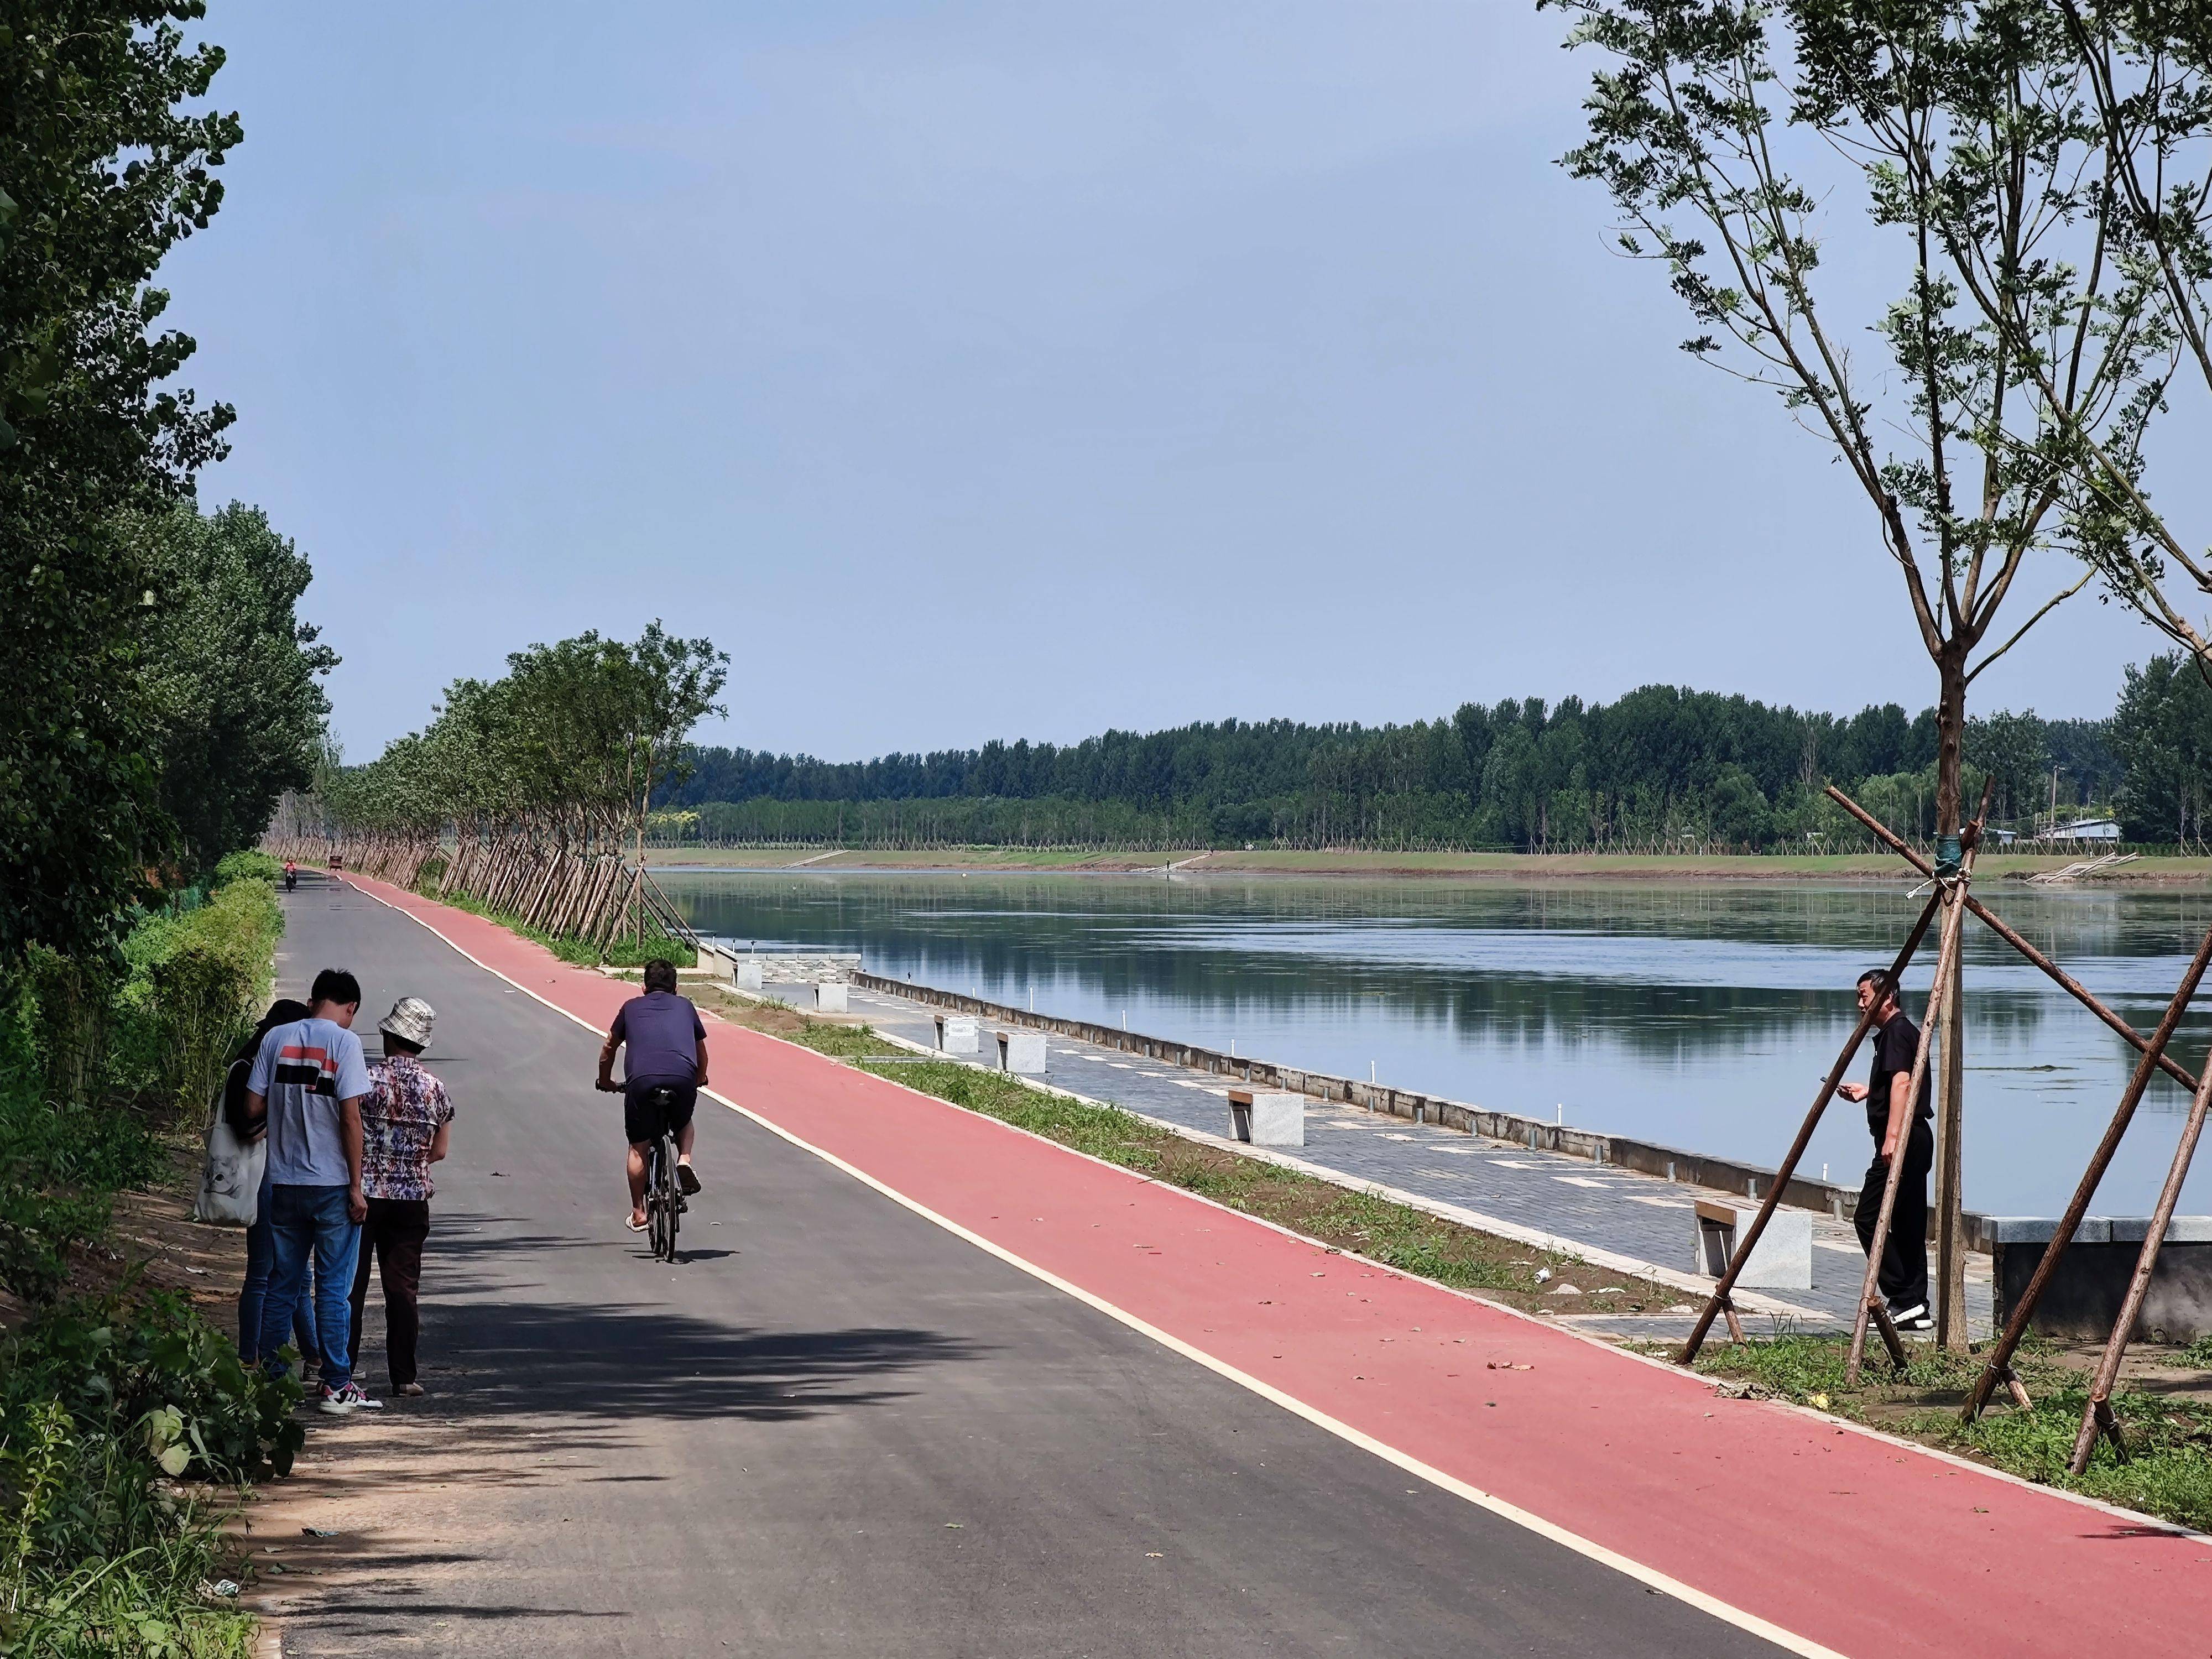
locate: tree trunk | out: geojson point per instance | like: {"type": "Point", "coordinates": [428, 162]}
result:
{"type": "Point", "coordinates": [1950, 1284]}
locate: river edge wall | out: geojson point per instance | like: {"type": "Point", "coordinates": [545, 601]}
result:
{"type": "Point", "coordinates": [1645, 1156]}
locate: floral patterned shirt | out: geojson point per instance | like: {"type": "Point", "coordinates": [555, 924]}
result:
{"type": "Point", "coordinates": [401, 1114]}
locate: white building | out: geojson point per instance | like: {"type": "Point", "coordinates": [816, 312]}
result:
{"type": "Point", "coordinates": [2087, 829]}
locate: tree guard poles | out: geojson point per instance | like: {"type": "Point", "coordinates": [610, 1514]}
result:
{"type": "Point", "coordinates": [2066, 982]}
{"type": "Point", "coordinates": [1952, 895]}
{"type": "Point", "coordinates": [2097, 1415]}
{"type": "Point", "coordinates": [1870, 1303]}
{"type": "Point", "coordinates": [1718, 1303]}
{"type": "Point", "coordinates": [1950, 1179]}
{"type": "Point", "coordinates": [1999, 1366]}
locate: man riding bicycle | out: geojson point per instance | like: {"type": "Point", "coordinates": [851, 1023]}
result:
{"type": "Point", "coordinates": [662, 1075]}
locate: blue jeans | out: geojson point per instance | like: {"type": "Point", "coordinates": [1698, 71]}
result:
{"type": "Point", "coordinates": [308, 1222]}
{"type": "Point", "coordinates": [253, 1295]}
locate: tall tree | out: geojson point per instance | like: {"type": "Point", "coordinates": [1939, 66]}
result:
{"type": "Point", "coordinates": [2143, 70]}
{"type": "Point", "coordinates": [232, 674]}
{"type": "Point", "coordinates": [104, 167]}
{"type": "Point", "coordinates": [1730, 133]}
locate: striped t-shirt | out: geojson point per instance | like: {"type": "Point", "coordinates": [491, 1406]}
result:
{"type": "Point", "coordinates": [304, 1070]}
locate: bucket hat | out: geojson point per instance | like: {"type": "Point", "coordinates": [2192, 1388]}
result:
{"type": "Point", "coordinates": [410, 1020]}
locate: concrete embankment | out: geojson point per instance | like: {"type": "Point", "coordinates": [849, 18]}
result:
{"type": "Point", "coordinates": [1646, 1157]}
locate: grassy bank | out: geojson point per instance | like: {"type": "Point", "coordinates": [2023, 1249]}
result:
{"type": "Point", "coordinates": [126, 1422]}
{"type": "Point", "coordinates": [1492, 866]}
{"type": "Point", "coordinates": [2165, 1410]}
{"type": "Point", "coordinates": [623, 952]}
{"type": "Point", "coordinates": [1395, 1234]}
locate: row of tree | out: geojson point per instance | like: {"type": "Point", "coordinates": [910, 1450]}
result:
{"type": "Point", "coordinates": [1657, 766]}
{"type": "Point", "coordinates": [161, 691]}
{"type": "Point", "coordinates": [539, 778]}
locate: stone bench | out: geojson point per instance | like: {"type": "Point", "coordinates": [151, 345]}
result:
{"type": "Point", "coordinates": [959, 1034]}
{"type": "Point", "coordinates": [2082, 1300]}
{"type": "Point", "coordinates": [1022, 1051]}
{"type": "Point", "coordinates": [1782, 1260]}
{"type": "Point", "coordinates": [1268, 1120]}
{"type": "Point", "coordinates": [832, 997]}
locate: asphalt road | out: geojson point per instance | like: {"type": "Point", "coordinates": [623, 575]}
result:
{"type": "Point", "coordinates": [835, 1428]}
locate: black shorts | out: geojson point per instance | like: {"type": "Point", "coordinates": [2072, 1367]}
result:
{"type": "Point", "coordinates": [642, 1120]}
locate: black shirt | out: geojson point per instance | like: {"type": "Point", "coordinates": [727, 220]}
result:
{"type": "Point", "coordinates": [1895, 1046]}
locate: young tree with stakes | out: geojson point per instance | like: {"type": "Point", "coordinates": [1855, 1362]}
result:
{"type": "Point", "coordinates": [1729, 134]}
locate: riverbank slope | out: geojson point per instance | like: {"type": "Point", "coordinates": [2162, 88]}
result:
{"type": "Point", "coordinates": [1492, 866]}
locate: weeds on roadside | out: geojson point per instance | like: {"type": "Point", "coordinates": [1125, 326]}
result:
{"type": "Point", "coordinates": [2169, 1440]}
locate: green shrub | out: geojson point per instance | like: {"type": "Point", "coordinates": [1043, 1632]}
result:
{"type": "Point", "coordinates": [102, 1407]}
{"type": "Point", "coordinates": [195, 982]}
{"type": "Point", "coordinates": [248, 866]}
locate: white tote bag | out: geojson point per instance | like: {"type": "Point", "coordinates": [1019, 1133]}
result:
{"type": "Point", "coordinates": [230, 1180]}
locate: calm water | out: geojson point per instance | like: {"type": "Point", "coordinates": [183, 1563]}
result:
{"type": "Point", "coordinates": [1700, 1015]}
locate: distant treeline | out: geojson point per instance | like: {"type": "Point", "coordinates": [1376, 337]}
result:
{"type": "Point", "coordinates": [1660, 766]}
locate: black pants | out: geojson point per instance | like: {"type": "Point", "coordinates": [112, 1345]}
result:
{"type": "Point", "coordinates": [394, 1231]}
{"type": "Point", "coordinates": [1904, 1278]}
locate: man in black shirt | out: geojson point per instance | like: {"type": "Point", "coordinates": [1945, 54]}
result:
{"type": "Point", "coordinates": [1891, 1118]}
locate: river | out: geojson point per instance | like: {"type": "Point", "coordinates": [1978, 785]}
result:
{"type": "Point", "coordinates": [1699, 1015]}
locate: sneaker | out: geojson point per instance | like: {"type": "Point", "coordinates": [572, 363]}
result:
{"type": "Point", "coordinates": [687, 1178]}
{"type": "Point", "coordinates": [345, 1401]}
{"type": "Point", "coordinates": [409, 1391]}
{"type": "Point", "coordinates": [1914, 1318]}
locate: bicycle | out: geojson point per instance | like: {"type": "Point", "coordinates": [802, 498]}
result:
{"type": "Point", "coordinates": [664, 1201]}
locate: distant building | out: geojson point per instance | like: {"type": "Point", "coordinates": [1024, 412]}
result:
{"type": "Point", "coordinates": [2004, 838]}
{"type": "Point", "coordinates": [2087, 829]}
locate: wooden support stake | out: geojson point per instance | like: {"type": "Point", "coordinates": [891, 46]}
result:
{"type": "Point", "coordinates": [1955, 914]}
{"type": "Point", "coordinates": [2066, 982]}
{"type": "Point", "coordinates": [1719, 1302]}
{"type": "Point", "coordinates": [2099, 1413]}
{"type": "Point", "coordinates": [1999, 1365]}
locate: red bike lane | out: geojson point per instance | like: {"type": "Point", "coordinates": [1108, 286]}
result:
{"type": "Point", "coordinates": [1819, 1537]}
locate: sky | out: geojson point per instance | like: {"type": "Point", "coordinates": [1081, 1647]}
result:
{"type": "Point", "coordinates": [1004, 370]}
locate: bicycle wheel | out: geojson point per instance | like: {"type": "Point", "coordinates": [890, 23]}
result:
{"type": "Point", "coordinates": [672, 1194]}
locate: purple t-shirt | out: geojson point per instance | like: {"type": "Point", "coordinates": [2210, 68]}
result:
{"type": "Point", "coordinates": [662, 1033]}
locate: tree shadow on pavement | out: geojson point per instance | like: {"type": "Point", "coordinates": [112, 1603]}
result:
{"type": "Point", "coordinates": [586, 1360]}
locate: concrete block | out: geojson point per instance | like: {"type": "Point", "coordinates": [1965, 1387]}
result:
{"type": "Point", "coordinates": [959, 1034]}
{"type": "Point", "coordinates": [747, 977]}
{"type": "Point", "coordinates": [2040, 1229]}
{"type": "Point", "coordinates": [2084, 1297]}
{"type": "Point", "coordinates": [832, 999]}
{"type": "Point", "coordinates": [1022, 1051]}
{"type": "Point", "coordinates": [1267, 1119]}
{"type": "Point", "coordinates": [1782, 1260]}
{"type": "Point", "coordinates": [2179, 1229]}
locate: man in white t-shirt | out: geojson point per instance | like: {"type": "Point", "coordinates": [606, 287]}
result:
{"type": "Point", "coordinates": [308, 1080]}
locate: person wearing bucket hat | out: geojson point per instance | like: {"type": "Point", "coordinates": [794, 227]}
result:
{"type": "Point", "coordinates": [406, 1126]}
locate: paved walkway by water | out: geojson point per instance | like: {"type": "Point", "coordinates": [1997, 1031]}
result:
{"type": "Point", "coordinates": [1615, 1216]}
{"type": "Point", "coordinates": [934, 1386]}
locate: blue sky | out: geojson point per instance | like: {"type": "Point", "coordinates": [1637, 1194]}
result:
{"type": "Point", "coordinates": [981, 370]}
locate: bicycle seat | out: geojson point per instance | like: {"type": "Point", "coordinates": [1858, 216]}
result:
{"type": "Point", "coordinates": [661, 1096]}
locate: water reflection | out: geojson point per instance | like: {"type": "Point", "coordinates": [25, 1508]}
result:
{"type": "Point", "coordinates": [1698, 1015]}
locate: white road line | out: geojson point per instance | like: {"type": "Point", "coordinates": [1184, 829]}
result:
{"type": "Point", "coordinates": [1666, 1584]}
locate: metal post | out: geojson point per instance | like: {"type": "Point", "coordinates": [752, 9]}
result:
{"type": "Point", "coordinates": [1999, 1366]}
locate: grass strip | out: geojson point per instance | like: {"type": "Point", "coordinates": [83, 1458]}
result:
{"type": "Point", "coordinates": [2169, 1436]}
{"type": "Point", "coordinates": [1395, 1234]}
{"type": "Point", "coordinates": [621, 951]}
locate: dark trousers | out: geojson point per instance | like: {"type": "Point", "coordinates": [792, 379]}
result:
{"type": "Point", "coordinates": [394, 1230]}
{"type": "Point", "coordinates": [1904, 1278]}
